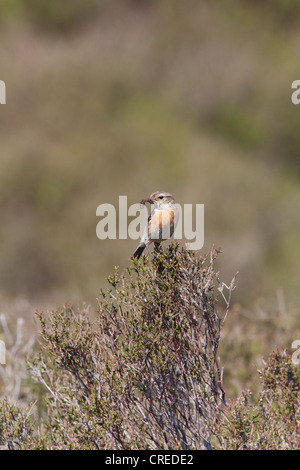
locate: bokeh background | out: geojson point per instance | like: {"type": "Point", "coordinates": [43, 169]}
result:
{"type": "Point", "coordinates": [124, 97]}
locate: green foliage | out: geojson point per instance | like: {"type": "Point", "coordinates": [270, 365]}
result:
{"type": "Point", "coordinates": [61, 16]}
{"type": "Point", "coordinates": [159, 92]}
{"type": "Point", "coordinates": [9, 8]}
{"type": "Point", "coordinates": [285, 11]}
{"type": "Point", "coordinates": [55, 16]}
{"type": "Point", "coordinates": [288, 139]}
{"type": "Point", "coordinates": [238, 125]}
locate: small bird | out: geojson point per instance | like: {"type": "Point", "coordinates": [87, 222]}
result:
{"type": "Point", "coordinates": [161, 222]}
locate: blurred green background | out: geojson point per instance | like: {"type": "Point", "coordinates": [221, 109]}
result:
{"type": "Point", "coordinates": [124, 97]}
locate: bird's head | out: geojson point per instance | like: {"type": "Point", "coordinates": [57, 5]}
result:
{"type": "Point", "coordinates": [159, 198]}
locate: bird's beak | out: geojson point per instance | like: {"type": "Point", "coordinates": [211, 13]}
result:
{"type": "Point", "coordinates": [147, 200]}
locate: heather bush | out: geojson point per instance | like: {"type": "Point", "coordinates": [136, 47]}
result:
{"type": "Point", "coordinates": [144, 372]}
{"type": "Point", "coordinates": [13, 373]}
{"type": "Point", "coordinates": [16, 429]}
{"type": "Point", "coordinates": [272, 421]}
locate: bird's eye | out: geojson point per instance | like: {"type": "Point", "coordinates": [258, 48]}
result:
{"type": "Point", "coordinates": [161, 197]}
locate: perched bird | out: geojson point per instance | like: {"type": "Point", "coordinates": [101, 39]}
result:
{"type": "Point", "coordinates": [161, 222]}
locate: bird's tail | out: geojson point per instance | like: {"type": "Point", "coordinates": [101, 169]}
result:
{"type": "Point", "coordinates": [138, 251]}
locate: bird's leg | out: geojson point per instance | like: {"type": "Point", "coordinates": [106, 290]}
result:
{"type": "Point", "coordinates": [149, 252]}
{"type": "Point", "coordinates": [156, 247]}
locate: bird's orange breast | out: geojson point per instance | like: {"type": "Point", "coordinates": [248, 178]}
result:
{"type": "Point", "coordinates": [161, 224]}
